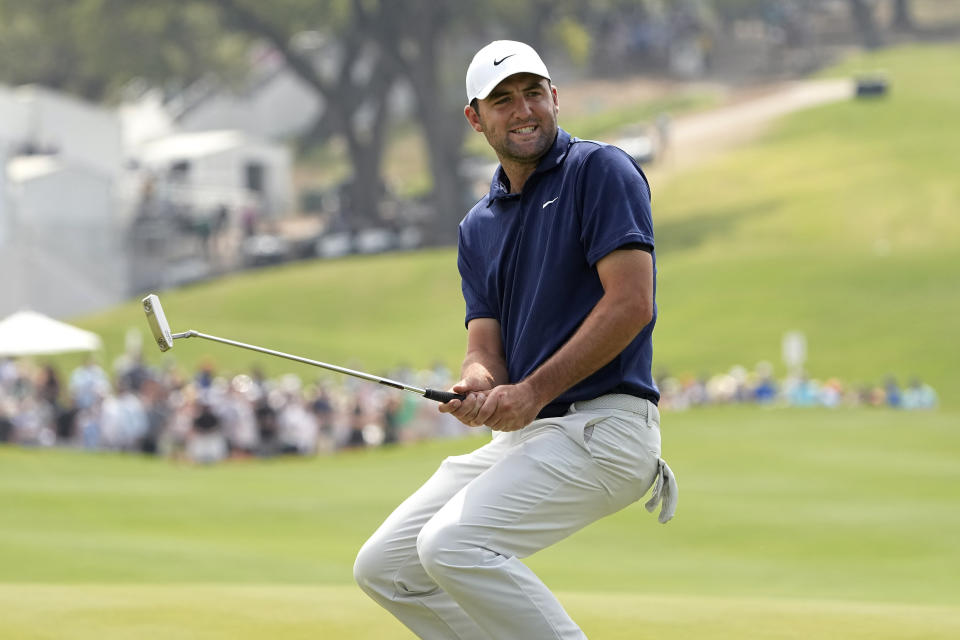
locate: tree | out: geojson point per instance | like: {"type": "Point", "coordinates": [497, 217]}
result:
{"type": "Point", "coordinates": [378, 42]}
{"type": "Point", "coordinates": [93, 48]}
{"type": "Point", "coordinates": [414, 35]}
{"type": "Point", "coordinates": [902, 15]}
{"type": "Point", "coordinates": [355, 92]}
{"type": "Point", "coordinates": [863, 17]}
{"type": "Point", "coordinates": [350, 52]}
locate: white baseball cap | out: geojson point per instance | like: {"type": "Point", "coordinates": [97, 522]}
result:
{"type": "Point", "coordinates": [497, 61]}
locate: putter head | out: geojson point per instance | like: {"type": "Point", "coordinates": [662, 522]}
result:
{"type": "Point", "coordinates": [158, 322]}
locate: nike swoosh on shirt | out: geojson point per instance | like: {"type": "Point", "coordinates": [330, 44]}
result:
{"type": "Point", "coordinates": [496, 63]}
{"type": "Point", "coordinates": [549, 202]}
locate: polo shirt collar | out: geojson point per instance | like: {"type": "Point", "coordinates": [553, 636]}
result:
{"type": "Point", "coordinates": [553, 158]}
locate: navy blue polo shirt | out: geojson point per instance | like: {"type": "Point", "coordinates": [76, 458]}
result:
{"type": "Point", "coordinates": [529, 260]}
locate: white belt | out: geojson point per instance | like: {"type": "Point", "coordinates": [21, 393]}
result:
{"type": "Point", "coordinates": [620, 401]}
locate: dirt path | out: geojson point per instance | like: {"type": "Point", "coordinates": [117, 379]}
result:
{"type": "Point", "coordinates": [702, 136]}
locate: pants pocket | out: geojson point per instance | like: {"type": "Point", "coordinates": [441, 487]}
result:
{"type": "Point", "coordinates": [626, 450]}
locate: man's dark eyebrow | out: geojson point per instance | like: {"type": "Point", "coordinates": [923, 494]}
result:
{"type": "Point", "coordinates": [493, 95]}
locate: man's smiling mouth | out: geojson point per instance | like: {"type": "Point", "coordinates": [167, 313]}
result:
{"type": "Point", "coordinates": [530, 128]}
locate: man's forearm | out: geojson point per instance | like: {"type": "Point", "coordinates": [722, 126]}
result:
{"type": "Point", "coordinates": [610, 327]}
{"type": "Point", "coordinates": [484, 369]}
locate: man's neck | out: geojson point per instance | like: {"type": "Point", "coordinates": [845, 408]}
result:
{"type": "Point", "coordinates": [517, 178]}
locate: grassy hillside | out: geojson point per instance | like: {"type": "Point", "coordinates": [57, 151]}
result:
{"type": "Point", "coordinates": [842, 222]}
{"type": "Point", "coordinates": [792, 524]}
{"type": "Point", "coordinates": [375, 312]}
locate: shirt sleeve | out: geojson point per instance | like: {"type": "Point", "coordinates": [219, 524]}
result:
{"type": "Point", "coordinates": [615, 204]}
{"type": "Point", "coordinates": [471, 284]}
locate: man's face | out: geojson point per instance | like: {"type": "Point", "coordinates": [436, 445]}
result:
{"type": "Point", "coordinates": [518, 118]}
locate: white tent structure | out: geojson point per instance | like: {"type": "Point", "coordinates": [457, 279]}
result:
{"type": "Point", "coordinates": [61, 224]}
{"type": "Point", "coordinates": [27, 333]}
{"type": "Point", "coordinates": [212, 168]}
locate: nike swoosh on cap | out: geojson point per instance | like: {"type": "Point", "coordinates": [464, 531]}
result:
{"type": "Point", "coordinates": [497, 62]}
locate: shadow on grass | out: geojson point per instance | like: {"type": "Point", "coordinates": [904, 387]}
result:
{"type": "Point", "coordinates": [691, 232]}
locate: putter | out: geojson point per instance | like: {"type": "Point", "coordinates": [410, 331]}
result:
{"type": "Point", "coordinates": [164, 337]}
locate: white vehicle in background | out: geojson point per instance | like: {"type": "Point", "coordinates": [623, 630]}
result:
{"type": "Point", "coordinates": [334, 245]}
{"type": "Point", "coordinates": [640, 147]}
{"type": "Point", "coordinates": [375, 240]}
{"type": "Point", "coordinates": [265, 249]}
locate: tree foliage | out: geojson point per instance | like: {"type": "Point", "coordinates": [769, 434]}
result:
{"type": "Point", "coordinates": [92, 48]}
{"type": "Point", "coordinates": [350, 52]}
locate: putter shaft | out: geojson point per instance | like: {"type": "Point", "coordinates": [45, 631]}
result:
{"type": "Point", "coordinates": [164, 337]}
{"type": "Point", "coordinates": [431, 394]}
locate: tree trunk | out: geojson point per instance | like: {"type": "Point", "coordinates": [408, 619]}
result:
{"type": "Point", "coordinates": [344, 96]}
{"type": "Point", "coordinates": [361, 207]}
{"type": "Point", "coordinates": [866, 22]}
{"type": "Point", "coordinates": [415, 40]}
{"type": "Point", "coordinates": [902, 15]}
{"type": "Point", "coordinates": [366, 147]}
{"type": "Point", "coordinates": [443, 128]}
{"type": "Point", "coordinates": [449, 188]}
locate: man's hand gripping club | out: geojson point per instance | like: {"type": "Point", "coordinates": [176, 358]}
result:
{"type": "Point", "coordinates": [506, 407]}
{"type": "Point", "coordinates": [490, 400]}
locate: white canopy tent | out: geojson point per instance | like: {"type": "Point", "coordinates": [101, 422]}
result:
{"type": "Point", "coordinates": [27, 333]}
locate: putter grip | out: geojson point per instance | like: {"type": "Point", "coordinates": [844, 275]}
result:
{"type": "Point", "coordinates": [442, 396]}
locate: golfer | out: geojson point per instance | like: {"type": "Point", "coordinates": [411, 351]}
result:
{"type": "Point", "coordinates": [558, 273]}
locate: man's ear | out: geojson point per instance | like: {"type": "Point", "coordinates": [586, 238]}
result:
{"type": "Point", "coordinates": [473, 118]}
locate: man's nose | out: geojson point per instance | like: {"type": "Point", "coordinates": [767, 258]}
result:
{"type": "Point", "coordinates": [523, 107]}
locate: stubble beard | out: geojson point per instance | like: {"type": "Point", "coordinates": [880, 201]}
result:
{"type": "Point", "coordinates": [528, 152]}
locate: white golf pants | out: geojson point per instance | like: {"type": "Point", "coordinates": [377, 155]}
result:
{"type": "Point", "coordinates": [447, 563]}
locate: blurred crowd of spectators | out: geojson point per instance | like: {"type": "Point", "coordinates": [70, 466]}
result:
{"type": "Point", "coordinates": [739, 386]}
{"type": "Point", "coordinates": [207, 417]}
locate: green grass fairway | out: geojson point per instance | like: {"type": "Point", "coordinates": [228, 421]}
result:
{"type": "Point", "coordinates": [206, 612]}
{"type": "Point", "coordinates": [843, 222]}
{"type": "Point", "coordinates": [792, 524]}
